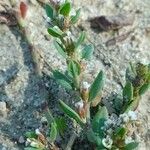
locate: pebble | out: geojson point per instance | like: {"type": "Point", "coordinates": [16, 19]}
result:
{"type": "Point", "coordinates": [3, 109]}
{"type": "Point", "coordinates": [21, 140]}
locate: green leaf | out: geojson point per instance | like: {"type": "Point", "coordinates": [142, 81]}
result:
{"type": "Point", "coordinates": [53, 132]}
{"type": "Point", "coordinates": [144, 88]}
{"type": "Point", "coordinates": [80, 40]}
{"type": "Point", "coordinates": [60, 49]}
{"type": "Point", "coordinates": [71, 113]}
{"type": "Point", "coordinates": [118, 103]}
{"type": "Point", "coordinates": [87, 52]}
{"type": "Point", "coordinates": [133, 105]}
{"type": "Point", "coordinates": [75, 18]}
{"type": "Point", "coordinates": [94, 138]}
{"type": "Point", "coordinates": [62, 79]}
{"type": "Point", "coordinates": [97, 86]}
{"type": "Point", "coordinates": [61, 125]}
{"type": "Point", "coordinates": [49, 116]}
{"type": "Point", "coordinates": [55, 31]}
{"type": "Point", "coordinates": [99, 119]}
{"type": "Point", "coordinates": [74, 68]}
{"type": "Point", "coordinates": [120, 133]}
{"type": "Point", "coordinates": [131, 146]}
{"type": "Point", "coordinates": [128, 91]}
{"type": "Point", "coordinates": [30, 134]}
{"type": "Point", "coordinates": [49, 11]}
{"type": "Point", "coordinates": [131, 73]}
{"type": "Point", "coordinates": [65, 9]}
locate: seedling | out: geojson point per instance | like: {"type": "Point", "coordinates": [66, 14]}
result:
{"type": "Point", "coordinates": [104, 130]}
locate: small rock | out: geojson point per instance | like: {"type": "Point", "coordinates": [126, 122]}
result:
{"type": "Point", "coordinates": [21, 140]}
{"type": "Point", "coordinates": [3, 109]}
{"type": "Point", "coordinates": [105, 23]}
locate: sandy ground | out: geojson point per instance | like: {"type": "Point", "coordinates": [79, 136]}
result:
{"type": "Point", "coordinates": [21, 88]}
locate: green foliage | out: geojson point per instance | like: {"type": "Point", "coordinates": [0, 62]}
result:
{"type": "Point", "coordinates": [137, 83]}
{"type": "Point", "coordinates": [74, 68]}
{"type": "Point", "coordinates": [60, 49]}
{"type": "Point", "coordinates": [128, 92]}
{"type": "Point", "coordinates": [120, 133]}
{"type": "Point", "coordinates": [97, 86]}
{"type": "Point", "coordinates": [75, 18]}
{"type": "Point", "coordinates": [145, 87]}
{"type": "Point", "coordinates": [94, 138]}
{"type": "Point", "coordinates": [118, 103]}
{"type": "Point", "coordinates": [62, 79]}
{"type": "Point", "coordinates": [80, 40]}
{"type": "Point", "coordinates": [53, 132]}
{"type": "Point", "coordinates": [65, 9]}
{"type": "Point", "coordinates": [87, 52]}
{"type": "Point", "coordinates": [49, 11]}
{"type": "Point", "coordinates": [131, 146]}
{"type": "Point", "coordinates": [55, 32]}
{"type": "Point", "coordinates": [30, 134]}
{"type": "Point", "coordinates": [99, 119]}
{"type": "Point", "coordinates": [61, 125]}
{"type": "Point", "coordinates": [71, 113]}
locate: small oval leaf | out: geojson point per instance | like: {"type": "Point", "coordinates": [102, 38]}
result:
{"type": "Point", "coordinates": [71, 113]}
{"type": "Point", "coordinates": [60, 49]}
{"type": "Point", "coordinates": [75, 18]}
{"type": "Point", "coordinates": [30, 134]}
{"type": "Point", "coordinates": [55, 32]}
{"type": "Point", "coordinates": [87, 52]}
{"type": "Point", "coordinates": [49, 11]}
{"type": "Point", "coordinates": [128, 91]}
{"type": "Point", "coordinates": [65, 9]}
{"type": "Point", "coordinates": [131, 146]}
{"type": "Point", "coordinates": [97, 86]}
{"type": "Point", "coordinates": [62, 79]}
{"type": "Point", "coordinates": [99, 119]}
{"type": "Point", "coordinates": [80, 40]}
{"type": "Point", "coordinates": [53, 132]}
{"type": "Point", "coordinates": [74, 68]}
{"type": "Point", "coordinates": [144, 88]}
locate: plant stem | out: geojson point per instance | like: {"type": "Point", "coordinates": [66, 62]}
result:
{"type": "Point", "coordinates": [71, 141]}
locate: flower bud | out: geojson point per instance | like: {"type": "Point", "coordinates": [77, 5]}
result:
{"type": "Point", "coordinates": [23, 9]}
{"type": "Point", "coordinates": [85, 91]}
{"type": "Point", "coordinates": [37, 132]}
{"type": "Point", "coordinates": [107, 142]}
{"type": "Point", "coordinates": [82, 109]}
{"type": "Point", "coordinates": [132, 115]}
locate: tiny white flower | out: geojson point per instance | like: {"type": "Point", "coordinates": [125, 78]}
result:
{"type": "Point", "coordinates": [73, 12]}
{"type": "Point", "coordinates": [107, 142]}
{"type": "Point", "coordinates": [132, 115]}
{"type": "Point", "coordinates": [128, 140]}
{"type": "Point", "coordinates": [108, 122]}
{"type": "Point", "coordinates": [37, 132]}
{"type": "Point", "coordinates": [34, 144]}
{"type": "Point", "coordinates": [79, 104]}
{"type": "Point", "coordinates": [110, 131]}
{"type": "Point", "coordinates": [59, 2]}
{"type": "Point", "coordinates": [28, 141]}
{"type": "Point", "coordinates": [124, 117]}
{"type": "Point", "coordinates": [119, 121]}
{"type": "Point", "coordinates": [85, 85]}
{"type": "Point", "coordinates": [68, 33]}
{"type": "Point", "coordinates": [43, 119]}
